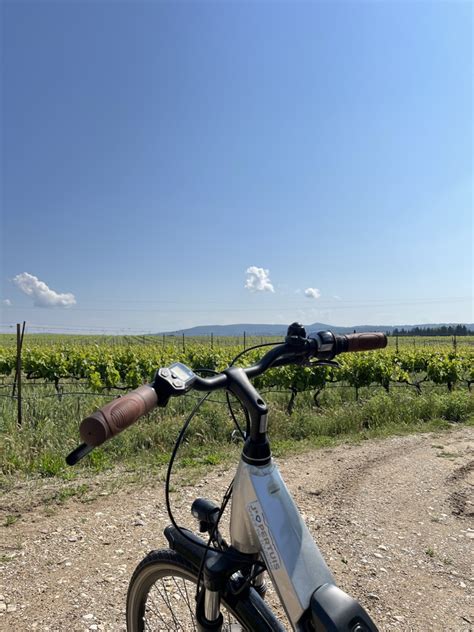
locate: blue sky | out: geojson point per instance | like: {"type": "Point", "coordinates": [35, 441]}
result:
{"type": "Point", "coordinates": [153, 152]}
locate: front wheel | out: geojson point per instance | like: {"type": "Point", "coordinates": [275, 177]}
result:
{"type": "Point", "coordinates": [161, 596]}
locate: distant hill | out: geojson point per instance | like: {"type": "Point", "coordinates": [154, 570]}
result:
{"type": "Point", "coordinates": [253, 329]}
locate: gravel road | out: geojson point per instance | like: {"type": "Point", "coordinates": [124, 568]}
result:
{"type": "Point", "coordinates": [393, 518]}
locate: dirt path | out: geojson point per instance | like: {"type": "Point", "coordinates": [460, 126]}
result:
{"type": "Point", "coordinates": [394, 519]}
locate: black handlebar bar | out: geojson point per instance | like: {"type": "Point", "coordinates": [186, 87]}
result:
{"type": "Point", "coordinates": [297, 349]}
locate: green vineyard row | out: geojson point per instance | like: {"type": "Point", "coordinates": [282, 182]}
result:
{"type": "Point", "coordinates": [110, 367]}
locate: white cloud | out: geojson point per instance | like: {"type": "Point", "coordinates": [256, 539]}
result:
{"type": "Point", "coordinates": [258, 280]}
{"type": "Point", "coordinates": [312, 292]}
{"type": "Point", "coordinates": [7, 302]}
{"type": "Point", "coordinates": [42, 295]}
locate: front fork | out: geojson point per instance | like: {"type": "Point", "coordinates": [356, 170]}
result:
{"type": "Point", "coordinates": [217, 572]}
{"type": "Point", "coordinates": [208, 612]}
{"type": "Point", "coordinates": [260, 584]}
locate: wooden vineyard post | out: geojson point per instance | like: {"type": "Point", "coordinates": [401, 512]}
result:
{"type": "Point", "coordinates": [19, 342]}
{"type": "Point", "coordinates": [184, 346]}
{"type": "Point", "coordinates": [245, 345]}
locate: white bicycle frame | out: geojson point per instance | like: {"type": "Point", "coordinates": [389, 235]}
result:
{"type": "Point", "coordinates": [265, 520]}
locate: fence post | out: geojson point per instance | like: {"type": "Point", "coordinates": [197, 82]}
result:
{"type": "Point", "coordinates": [163, 341]}
{"type": "Point", "coordinates": [15, 380]}
{"type": "Point", "coordinates": [184, 346]}
{"type": "Point", "coordinates": [19, 343]}
{"type": "Point", "coordinates": [212, 340]}
{"type": "Point", "coordinates": [245, 346]}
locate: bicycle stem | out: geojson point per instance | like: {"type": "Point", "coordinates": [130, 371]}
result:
{"type": "Point", "coordinates": [256, 449]}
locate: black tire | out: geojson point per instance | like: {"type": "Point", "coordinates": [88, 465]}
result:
{"type": "Point", "coordinates": [161, 597]}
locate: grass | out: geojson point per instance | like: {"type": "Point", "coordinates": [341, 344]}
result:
{"type": "Point", "coordinates": [10, 520]}
{"type": "Point", "coordinates": [447, 455]}
{"type": "Point", "coordinates": [8, 557]}
{"type": "Point", "coordinates": [70, 492]}
{"type": "Point", "coordinates": [50, 430]}
{"type": "Point", "coordinates": [5, 558]}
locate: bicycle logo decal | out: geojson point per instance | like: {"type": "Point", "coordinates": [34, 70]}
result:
{"type": "Point", "coordinates": [269, 549]}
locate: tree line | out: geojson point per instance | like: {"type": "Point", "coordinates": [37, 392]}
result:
{"type": "Point", "coordinates": [443, 330]}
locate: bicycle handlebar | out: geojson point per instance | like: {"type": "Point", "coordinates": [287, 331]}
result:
{"type": "Point", "coordinates": [121, 413]}
{"type": "Point", "coordinates": [366, 341]}
{"type": "Point", "coordinates": [117, 415]}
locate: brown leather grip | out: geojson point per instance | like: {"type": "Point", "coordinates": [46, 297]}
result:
{"type": "Point", "coordinates": [366, 341]}
{"type": "Point", "coordinates": [117, 415]}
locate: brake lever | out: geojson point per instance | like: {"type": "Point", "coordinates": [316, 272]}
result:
{"type": "Point", "coordinates": [79, 453]}
{"type": "Point", "coordinates": [332, 363]}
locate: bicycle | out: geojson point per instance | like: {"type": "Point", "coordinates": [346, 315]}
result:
{"type": "Point", "coordinates": [267, 533]}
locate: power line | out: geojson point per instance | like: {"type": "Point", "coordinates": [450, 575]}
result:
{"type": "Point", "coordinates": [292, 308]}
{"type": "Point", "coordinates": [60, 328]}
{"type": "Point", "coordinates": [323, 299]}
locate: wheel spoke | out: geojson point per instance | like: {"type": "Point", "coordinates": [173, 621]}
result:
{"type": "Point", "coordinates": [186, 599]}
{"type": "Point", "coordinates": [165, 600]}
{"type": "Point", "coordinates": [158, 615]}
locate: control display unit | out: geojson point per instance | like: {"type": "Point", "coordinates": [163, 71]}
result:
{"type": "Point", "coordinates": [182, 372]}
{"type": "Point", "coordinates": [178, 376]}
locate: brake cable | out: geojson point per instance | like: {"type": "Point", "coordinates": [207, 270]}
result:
{"type": "Point", "coordinates": [228, 492]}
{"type": "Point", "coordinates": [179, 441]}
{"type": "Point", "coordinates": [263, 344]}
